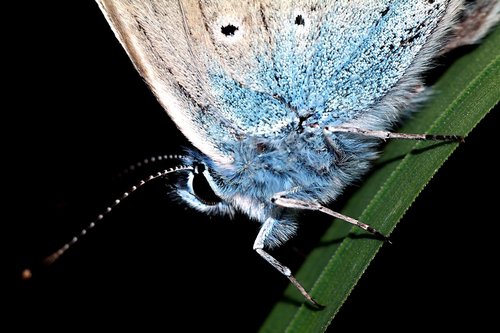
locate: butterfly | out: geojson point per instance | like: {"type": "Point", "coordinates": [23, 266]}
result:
{"type": "Point", "coordinates": [284, 102]}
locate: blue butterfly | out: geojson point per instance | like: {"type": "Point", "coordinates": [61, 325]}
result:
{"type": "Point", "coordinates": [285, 102]}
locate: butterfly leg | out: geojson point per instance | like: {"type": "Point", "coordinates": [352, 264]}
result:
{"type": "Point", "coordinates": [258, 246]}
{"type": "Point", "coordinates": [390, 135]}
{"type": "Point", "coordinates": [280, 200]}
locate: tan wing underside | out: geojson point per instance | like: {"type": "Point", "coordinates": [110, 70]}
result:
{"type": "Point", "coordinates": [156, 38]}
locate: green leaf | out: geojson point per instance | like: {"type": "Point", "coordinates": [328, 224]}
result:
{"type": "Point", "coordinates": [468, 90]}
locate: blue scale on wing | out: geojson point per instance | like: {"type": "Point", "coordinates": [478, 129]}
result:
{"type": "Point", "coordinates": [339, 71]}
{"type": "Point", "coordinates": [308, 76]}
{"type": "Point", "coordinates": [252, 111]}
{"type": "Point", "coordinates": [379, 63]}
{"type": "Point", "coordinates": [331, 71]}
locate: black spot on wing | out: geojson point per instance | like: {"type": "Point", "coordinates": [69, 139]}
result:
{"type": "Point", "coordinates": [229, 30]}
{"type": "Point", "coordinates": [299, 20]}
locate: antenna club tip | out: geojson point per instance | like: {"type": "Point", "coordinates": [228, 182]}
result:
{"type": "Point", "coordinates": [26, 274]}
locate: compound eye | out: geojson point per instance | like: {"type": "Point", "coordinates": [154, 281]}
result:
{"type": "Point", "coordinates": [201, 187]}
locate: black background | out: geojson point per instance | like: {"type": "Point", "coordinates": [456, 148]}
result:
{"type": "Point", "coordinates": [80, 114]}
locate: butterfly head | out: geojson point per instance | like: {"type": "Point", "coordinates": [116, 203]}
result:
{"type": "Point", "coordinates": [299, 164]}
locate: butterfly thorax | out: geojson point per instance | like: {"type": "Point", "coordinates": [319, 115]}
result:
{"type": "Point", "coordinates": [301, 162]}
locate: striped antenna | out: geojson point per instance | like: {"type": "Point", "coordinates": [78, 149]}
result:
{"type": "Point", "coordinates": [57, 254]}
{"type": "Point", "coordinates": [147, 161]}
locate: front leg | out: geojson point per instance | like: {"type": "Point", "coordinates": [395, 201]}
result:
{"type": "Point", "coordinates": [258, 246]}
{"type": "Point", "coordinates": [280, 199]}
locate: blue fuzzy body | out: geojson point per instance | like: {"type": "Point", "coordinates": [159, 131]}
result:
{"type": "Point", "coordinates": [302, 163]}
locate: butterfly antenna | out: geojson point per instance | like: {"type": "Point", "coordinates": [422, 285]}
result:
{"type": "Point", "coordinates": [57, 254]}
{"type": "Point", "coordinates": [147, 161]}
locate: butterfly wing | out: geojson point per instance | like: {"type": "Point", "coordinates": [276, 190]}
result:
{"type": "Point", "coordinates": [163, 50]}
{"type": "Point", "coordinates": [226, 70]}
{"type": "Point", "coordinates": [197, 65]}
